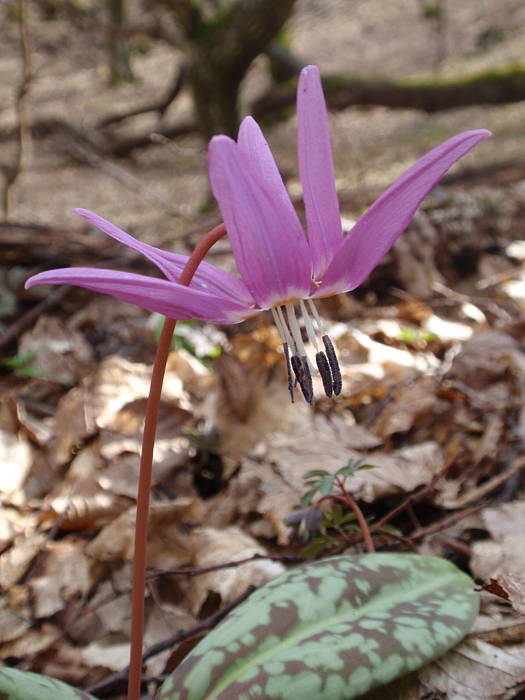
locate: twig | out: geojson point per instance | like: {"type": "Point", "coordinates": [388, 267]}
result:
{"type": "Point", "coordinates": [118, 173]}
{"type": "Point", "coordinates": [444, 523]}
{"type": "Point", "coordinates": [159, 106]}
{"type": "Point", "coordinates": [188, 571]}
{"type": "Point", "coordinates": [490, 485]}
{"type": "Point", "coordinates": [18, 326]}
{"type": "Point", "coordinates": [414, 497]}
{"type": "Point", "coordinates": [106, 685]}
{"type": "Point", "coordinates": [12, 172]}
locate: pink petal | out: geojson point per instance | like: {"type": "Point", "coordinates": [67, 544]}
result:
{"type": "Point", "coordinates": [267, 240]}
{"type": "Point", "coordinates": [207, 278]}
{"type": "Point", "coordinates": [258, 159]}
{"type": "Point", "coordinates": [382, 224]}
{"type": "Point", "coordinates": [165, 297]}
{"type": "Point", "coordinates": [316, 169]}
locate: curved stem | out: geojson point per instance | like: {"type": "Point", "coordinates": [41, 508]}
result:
{"type": "Point", "coordinates": [349, 502]}
{"type": "Point", "coordinates": [146, 465]}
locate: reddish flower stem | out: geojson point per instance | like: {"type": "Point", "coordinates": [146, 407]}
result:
{"type": "Point", "coordinates": [146, 465]}
{"type": "Point", "coordinates": [349, 502]}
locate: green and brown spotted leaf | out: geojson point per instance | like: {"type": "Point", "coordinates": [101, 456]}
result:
{"type": "Point", "coordinates": [24, 685]}
{"type": "Point", "coordinates": [331, 630]}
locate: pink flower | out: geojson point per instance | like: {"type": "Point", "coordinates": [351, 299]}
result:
{"type": "Point", "coordinates": [281, 268]}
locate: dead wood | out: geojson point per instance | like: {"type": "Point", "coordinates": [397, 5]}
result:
{"type": "Point", "coordinates": [497, 86]}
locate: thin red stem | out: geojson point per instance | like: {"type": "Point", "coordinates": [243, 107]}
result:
{"type": "Point", "coordinates": [349, 502]}
{"type": "Point", "coordinates": [146, 465]}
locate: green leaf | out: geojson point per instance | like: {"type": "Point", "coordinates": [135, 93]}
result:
{"type": "Point", "coordinates": [24, 685]}
{"type": "Point", "coordinates": [352, 467]}
{"type": "Point", "coordinates": [326, 485]}
{"type": "Point", "coordinates": [316, 473]}
{"type": "Point", "coordinates": [331, 630]}
{"type": "Point", "coordinates": [307, 497]}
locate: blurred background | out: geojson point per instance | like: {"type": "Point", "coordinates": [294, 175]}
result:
{"type": "Point", "coordinates": [109, 105]}
{"type": "Point", "coordinates": [119, 97]}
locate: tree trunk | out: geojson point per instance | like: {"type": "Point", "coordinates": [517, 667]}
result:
{"type": "Point", "coordinates": [219, 51]}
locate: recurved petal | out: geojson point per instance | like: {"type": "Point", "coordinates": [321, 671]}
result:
{"type": "Point", "coordinates": [149, 251]}
{"type": "Point", "coordinates": [382, 224]}
{"type": "Point", "coordinates": [163, 296]}
{"type": "Point", "coordinates": [207, 278]}
{"type": "Point", "coordinates": [267, 240]}
{"type": "Point", "coordinates": [316, 169]}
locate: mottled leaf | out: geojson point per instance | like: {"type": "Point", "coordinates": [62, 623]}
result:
{"type": "Point", "coordinates": [331, 630]}
{"type": "Point", "coordinates": [23, 685]}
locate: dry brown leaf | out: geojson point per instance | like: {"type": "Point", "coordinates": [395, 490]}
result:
{"type": "Point", "coordinates": [122, 446]}
{"type": "Point", "coordinates": [64, 574]}
{"type": "Point", "coordinates": [210, 547]}
{"type": "Point", "coordinates": [161, 623]}
{"type": "Point", "coordinates": [119, 382]}
{"type": "Point", "coordinates": [61, 354]}
{"type": "Point", "coordinates": [80, 503]}
{"type": "Point", "coordinates": [166, 543]}
{"type": "Point", "coordinates": [14, 620]}
{"type": "Point", "coordinates": [507, 519]}
{"type": "Point", "coordinates": [106, 400]}
{"type": "Point", "coordinates": [32, 641]}
{"type": "Point", "coordinates": [476, 670]}
{"type": "Point", "coordinates": [63, 661]}
{"type": "Point", "coordinates": [107, 614]}
{"type": "Point", "coordinates": [74, 422]}
{"type": "Point", "coordinates": [408, 405]}
{"type": "Point", "coordinates": [514, 587]}
{"type": "Point", "coordinates": [505, 552]}
{"type": "Point", "coordinates": [271, 481]}
{"type": "Point", "coordinates": [112, 657]}
{"type": "Point", "coordinates": [500, 628]}
{"type": "Point", "coordinates": [381, 354]}
{"type": "Point", "coordinates": [16, 458]}
{"type": "Point", "coordinates": [15, 561]}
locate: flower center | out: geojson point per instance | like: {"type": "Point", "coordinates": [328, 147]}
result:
{"type": "Point", "coordinates": [298, 364]}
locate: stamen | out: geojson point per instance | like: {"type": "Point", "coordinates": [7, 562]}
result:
{"type": "Point", "coordinates": [337, 380]}
{"type": "Point", "coordinates": [318, 319]}
{"type": "Point", "coordinates": [304, 377]}
{"type": "Point", "coordinates": [295, 330]}
{"type": "Point", "coordinates": [299, 368]}
{"type": "Point", "coordinates": [289, 371]}
{"type": "Point", "coordinates": [309, 326]}
{"type": "Point", "coordinates": [278, 317]}
{"type": "Point", "coordinates": [324, 371]}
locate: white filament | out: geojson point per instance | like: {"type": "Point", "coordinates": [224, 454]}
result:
{"type": "Point", "coordinates": [294, 329]}
{"type": "Point", "coordinates": [283, 329]}
{"type": "Point", "coordinates": [318, 319]}
{"type": "Point", "coordinates": [309, 326]}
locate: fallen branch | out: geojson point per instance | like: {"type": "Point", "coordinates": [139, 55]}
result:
{"type": "Point", "coordinates": [109, 684]}
{"type": "Point", "coordinates": [498, 86]}
{"type": "Point", "coordinates": [159, 106]}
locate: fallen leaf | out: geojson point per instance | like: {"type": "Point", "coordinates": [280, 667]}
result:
{"type": "Point", "coordinates": [33, 641]}
{"type": "Point", "coordinates": [476, 670]}
{"type": "Point", "coordinates": [61, 354]}
{"type": "Point", "coordinates": [15, 561]}
{"type": "Point", "coordinates": [210, 547]}
{"type": "Point", "coordinates": [16, 458]}
{"type": "Point", "coordinates": [64, 574]}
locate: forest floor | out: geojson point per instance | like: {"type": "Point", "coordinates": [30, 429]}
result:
{"type": "Point", "coordinates": [432, 350]}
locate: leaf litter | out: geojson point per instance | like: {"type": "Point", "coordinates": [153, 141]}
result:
{"type": "Point", "coordinates": [433, 367]}
{"type": "Point", "coordinates": [433, 401]}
